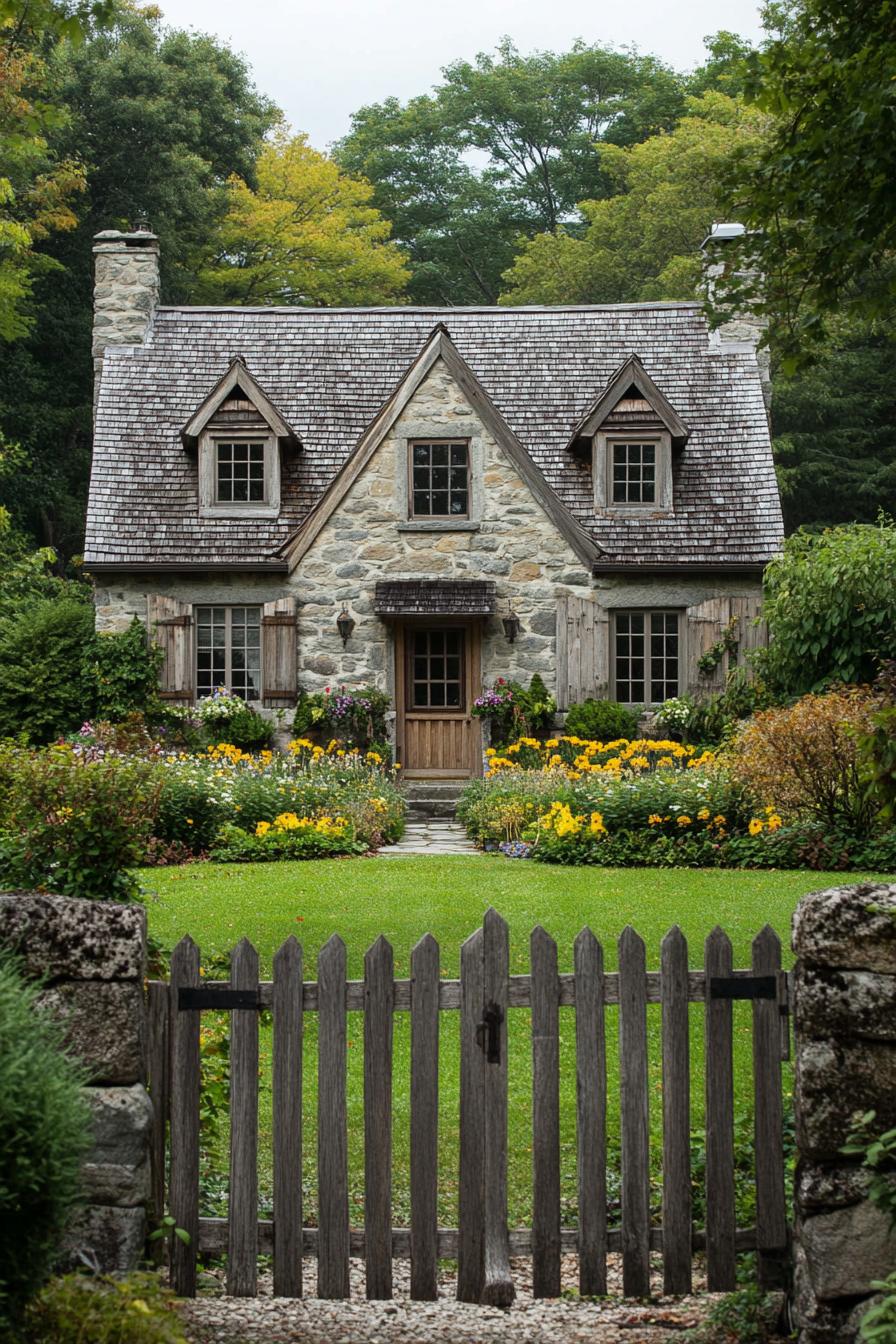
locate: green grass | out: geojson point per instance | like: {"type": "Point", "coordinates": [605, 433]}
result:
{"type": "Point", "coordinates": [405, 898]}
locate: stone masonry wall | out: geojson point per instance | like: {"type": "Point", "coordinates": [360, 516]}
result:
{"type": "Point", "coordinates": [90, 956]}
{"type": "Point", "coordinates": [845, 1019]}
{"type": "Point", "coordinates": [126, 291]}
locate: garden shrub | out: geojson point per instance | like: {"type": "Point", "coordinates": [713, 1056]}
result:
{"type": "Point", "coordinates": [125, 669]}
{"type": "Point", "coordinates": [601, 720]}
{"type": "Point", "coordinates": [511, 710]}
{"type": "Point", "coordinates": [223, 717]}
{"type": "Point", "coordinates": [287, 837]}
{"type": "Point", "coordinates": [877, 746]}
{"type": "Point", "coordinates": [73, 822]}
{"type": "Point", "coordinates": [713, 719]}
{"type": "Point", "coordinates": [102, 1309]}
{"type": "Point", "coordinates": [357, 719]}
{"type": "Point", "coordinates": [804, 759]}
{"type": "Point", "coordinates": [44, 1132]}
{"type": "Point", "coordinates": [46, 685]}
{"type": "Point", "coordinates": [830, 603]}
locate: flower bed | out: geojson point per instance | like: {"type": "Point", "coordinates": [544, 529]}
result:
{"type": "Point", "coordinates": [641, 802]}
{"type": "Point", "coordinates": [314, 800]}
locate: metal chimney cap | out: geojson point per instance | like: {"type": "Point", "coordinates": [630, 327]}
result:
{"type": "Point", "coordinates": [723, 233]}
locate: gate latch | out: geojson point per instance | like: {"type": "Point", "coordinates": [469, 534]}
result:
{"type": "Point", "coordinates": [488, 1033]}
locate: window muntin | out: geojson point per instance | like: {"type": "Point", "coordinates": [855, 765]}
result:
{"type": "Point", "coordinates": [436, 671]}
{"type": "Point", "coordinates": [646, 656]}
{"type": "Point", "coordinates": [228, 651]}
{"type": "Point", "coordinates": [239, 472]}
{"type": "Point", "coordinates": [440, 480]}
{"type": "Point", "coordinates": [634, 473]}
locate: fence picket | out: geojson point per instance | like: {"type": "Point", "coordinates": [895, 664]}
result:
{"type": "Point", "coordinates": [720, 1209]}
{"type": "Point", "coordinates": [497, 1285]}
{"type": "Point", "coordinates": [287, 1119]}
{"type": "Point", "coordinates": [591, 1113]}
{"type": "Point", "coordinates": [332, 1132]}
{"type": "Point", "coordinates": [545, 1115]}
{"type": "Point", "coordinates": [424, 1118]}
{"type": "Point", "coordinates": [471, 1183]}
{"type": "Point", "coordinates": [634, 1116]}
{"type": "Point", "coordinates": [158, 1068]}
{"type": "Point", "coordinates": [183, 1197]}
{"type": "Point", "coordinates": [379, 993]}
{"type": "Point", "coordinates": [242, 1209]}
{"type": "Point", "coordinates": [676, 1115]}
{"type": "Point", "coordinates": [771, 1206]}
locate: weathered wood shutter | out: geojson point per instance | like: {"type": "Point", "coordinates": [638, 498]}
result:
{"type": "Point", "coordinates": [278, 653]}
{"type": "Point", "coordinates": [706, 623]}
{"type": "Point", "coordinates": [170, 625]}
{"type": "Point", "coordinates": [583, 650]}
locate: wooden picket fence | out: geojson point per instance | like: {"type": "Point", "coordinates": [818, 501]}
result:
{"type": "Point", "coordinates": [482, 1243]}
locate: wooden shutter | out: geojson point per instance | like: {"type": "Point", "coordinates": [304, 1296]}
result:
{"type": "Point", "coordinates": [278, 653]}
{"type": "Point", "coordinates": [706, 623]}
{"type": "Point", "coordinates": [170, 625]}
{"type": "Point", "coordinates": [752, 631]}
{"type": "Point", "coordinates": [583, 650]}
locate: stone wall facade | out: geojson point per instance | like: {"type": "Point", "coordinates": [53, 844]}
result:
{"type": "Point", "coordinates": [845, 1020]}
{"type": "Point", "coordinates": [126, 291]}
{"type": "Point", "coordinates": [90, 956]}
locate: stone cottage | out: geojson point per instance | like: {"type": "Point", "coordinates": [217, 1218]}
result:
{"type": "Point", "coordinates": [426, 499]}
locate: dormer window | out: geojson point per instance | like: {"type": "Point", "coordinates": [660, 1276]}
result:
{"type": "Point", "coordinates": [239, 435]}
{"type": "Point", "coordinates": [633, 472]}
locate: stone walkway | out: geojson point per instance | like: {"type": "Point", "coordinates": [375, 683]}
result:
{"type": "Point", "coordinates": [432, 837]}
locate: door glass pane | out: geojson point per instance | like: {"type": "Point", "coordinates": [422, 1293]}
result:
{"type": "Point", "coordinates": [435, 669]}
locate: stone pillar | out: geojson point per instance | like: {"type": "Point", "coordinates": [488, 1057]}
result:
{"type": "Point", "coordinates": [126, 292]}
{"type": "Point", "coordinates": [742, 331]}
{"type": "Point", "coordinates": [845, 1020]}
{"type": "Point", "coordinates": [90, 956]}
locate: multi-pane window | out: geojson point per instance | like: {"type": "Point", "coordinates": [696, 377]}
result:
{"type": "Point", "coordinates": [240, 473]}
{"type": "Point", "coordinates": [440, 480]}
{"type": "Point", "coordinates": [634, 473]}
{"type": "Point", "coordinates": [228, 650]}
{"type": "Point", "coordinates": [436, 679]}
{"type": "Point", "coordinates": [646, 656]}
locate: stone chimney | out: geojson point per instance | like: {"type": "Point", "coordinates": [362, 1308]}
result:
{"type": "Point", "coordinates": [126, 292]}
{"type": "Point", "coordinates": [741, 331]}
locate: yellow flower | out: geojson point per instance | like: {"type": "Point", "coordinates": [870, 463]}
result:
{"type": "Point", "coordinates": [262, 828]}
{"type": "Point", "coordinates": [597, 824]}
{"type": "Point", "coordinates": [654, 819]}
{"type": "Point", "coordinates": [189, 821]}
{"type": "Point", "coordinates": [755, 826]}
{"type": "Point", "coordinates": [703, 814]}
{"type": "Point", "coordinates": [774, 822]}
{"type": "Point", "coordinates": [682, 820]}
{"type": "Point", "coordinates": [718, 820]}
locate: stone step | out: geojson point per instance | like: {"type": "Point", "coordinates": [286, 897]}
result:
{"type": "Point", "coordinates": [434, 788]}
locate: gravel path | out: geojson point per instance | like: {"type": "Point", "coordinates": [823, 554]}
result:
{"type": "Point", "coordinates": [215, 1319]}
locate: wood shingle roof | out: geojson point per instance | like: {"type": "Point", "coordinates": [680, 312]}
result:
{"type": "Point", "coordinates": [329, 372]}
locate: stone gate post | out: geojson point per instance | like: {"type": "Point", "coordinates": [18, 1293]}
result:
{"type": "Point", "coordinates": [90, 956]}
{"type": "Point", "coordinates": [845, 1020]}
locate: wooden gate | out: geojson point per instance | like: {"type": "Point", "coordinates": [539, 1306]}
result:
{"type": "Point", "coordinates": [482, 1243]}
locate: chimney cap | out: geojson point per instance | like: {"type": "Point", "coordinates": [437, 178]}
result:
{"type": "Point", "coordinates": [723, 233]}
{"type": "Point", "coordinates": [137, 237]}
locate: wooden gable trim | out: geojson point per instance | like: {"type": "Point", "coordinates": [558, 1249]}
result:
{"type": "Point", "coordinates": [440, 346]}
{"type": "Point", "coordinates": [237, 375]}
{"type": "Point", "coordinates": [631, 374]}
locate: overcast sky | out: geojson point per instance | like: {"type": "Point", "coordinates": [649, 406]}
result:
{"type": "Point", "coordinates": [320, 61]}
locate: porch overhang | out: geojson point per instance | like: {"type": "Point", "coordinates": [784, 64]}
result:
{"type": "Point", "coordinates": [398, 598]}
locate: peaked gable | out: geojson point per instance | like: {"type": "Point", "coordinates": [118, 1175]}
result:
{"type": "Point", "coordinates": [631, 374]}
{"type": "Point", "coordinates": [237, 378]}
{"type": "Point", "coordinates": [440, 346]}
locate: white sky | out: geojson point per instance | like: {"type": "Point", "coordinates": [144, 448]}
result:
{"type": "Point", "coordinates": [320, 60]}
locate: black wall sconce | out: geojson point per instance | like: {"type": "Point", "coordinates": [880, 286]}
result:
{"type": "Point", "coordinates": [511, 623]}
{"type": "Point", "coordinates": [345, 625]}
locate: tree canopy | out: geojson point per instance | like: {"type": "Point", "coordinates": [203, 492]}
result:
{"type": "Point", "coordinates": [307, 234]}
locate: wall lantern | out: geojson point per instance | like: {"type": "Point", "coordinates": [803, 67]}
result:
{"type": "Point", "coordinates": [511, 623]}
{"type": "Point", "coordinates": [345, 625]}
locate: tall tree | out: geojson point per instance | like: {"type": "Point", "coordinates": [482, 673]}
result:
{"type": "Point", "coordinates": [642, 242]}
{"type": "Point", "coordinates": [307, 234]}
{"type": "Point", "coordinates": [160, 120]}
{"type": "Point", "coordinates": [820, 201]}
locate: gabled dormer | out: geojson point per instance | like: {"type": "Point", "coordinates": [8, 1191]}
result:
{"type": "Point", "coordinates": [629, 433]}
{"type": "Point", "coordinates": [238, 435]}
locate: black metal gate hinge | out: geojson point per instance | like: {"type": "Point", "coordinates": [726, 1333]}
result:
{"type": "Point", "coordinates": [743, 987]}
{"type": "Point", "coordinates": [191, 998]}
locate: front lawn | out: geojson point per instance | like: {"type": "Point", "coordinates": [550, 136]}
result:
{"type": "Point", "coordinates": [405, 898]}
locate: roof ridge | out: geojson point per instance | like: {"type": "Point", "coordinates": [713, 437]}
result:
{"type": "Point", "coordinates": [276, 309]}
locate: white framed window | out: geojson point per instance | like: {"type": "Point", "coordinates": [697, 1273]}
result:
{"type": "Point", "coordinates": [633, 473]}
{"type": "Point", "coordinates": [239, 476]}
{"type": "Point", "coordinates": [646, 656]}
{"type": "Point", "coordinates": [228, 650]}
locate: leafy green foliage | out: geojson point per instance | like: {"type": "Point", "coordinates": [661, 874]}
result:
{"type": "Point", "coordinates": [642, 240]}
{"type": "Point", "coordinates": [125, 667]}
{"type": "Point", "coordinates": [877, 747]}
{"type": "Point", "coordinates": [830, 603]}
{"type": "Point", "coordinates": [601, 721]}
{"type": "Point", "coordinates": [45, 685]}
{"type": "Point", "coordinates": [235, 845]}
{"type": "Point", "coordinates": [356, 719]}
{"type": "Point", "coordinates": [124, 1309]}
{"type": "Point", "coordinates": [819, 200]}
{"type": "Point", "coordinates": [748, 1316]}
{"type": "Point", "coordinates": [878, 1153]}
{"type": "Point", "coordinates": [75, 824]}
{"type": "Point", "coordinates": [44, 1131]}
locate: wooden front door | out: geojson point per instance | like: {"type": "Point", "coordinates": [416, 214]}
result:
{"type": "Point", "coordinates": [437, 676]}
